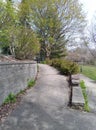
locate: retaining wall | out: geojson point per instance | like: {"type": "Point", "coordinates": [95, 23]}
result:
{"type": "Point", "coordinates": [14, 77]}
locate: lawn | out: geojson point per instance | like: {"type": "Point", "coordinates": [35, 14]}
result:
{"type": "Point", "coordinates": [89, 71]}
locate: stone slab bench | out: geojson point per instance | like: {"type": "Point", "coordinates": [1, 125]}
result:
{"type": "Point", "coordinates": [77, 95]}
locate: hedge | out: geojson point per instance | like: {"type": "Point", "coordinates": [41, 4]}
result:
{"type": "Point", "coordinates": [64, 66]}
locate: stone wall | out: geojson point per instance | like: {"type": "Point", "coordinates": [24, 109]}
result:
{"type": "Point", "coordinates": [14, 77]}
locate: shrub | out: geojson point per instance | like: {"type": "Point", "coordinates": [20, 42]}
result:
{"type": "Point", "coordinates": [11, 98]}
{"type": "Point", "coordinates": [56, 63]}
{"type": "Point", "coordinates": [49, 62]}
{"type": "Point", "coordinates": [65, 66]}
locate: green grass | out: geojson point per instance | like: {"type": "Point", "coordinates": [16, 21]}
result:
{"type": "Point", "coordinates": [83, 87]}
{"type": "Point", "coordinates": [89, 71]}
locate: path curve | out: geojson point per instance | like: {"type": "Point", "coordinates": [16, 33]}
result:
{"type": "Point", "coordinates": [45, 107]}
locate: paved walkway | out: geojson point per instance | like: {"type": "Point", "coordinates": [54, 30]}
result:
{"type": "Point", "coordinates": [91, 91]}
{"type": "Point", "coordinates": [45, 107]}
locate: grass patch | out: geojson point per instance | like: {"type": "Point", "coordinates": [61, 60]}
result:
{"type": "Point", "coordinates": [89, 71]}
{"type": "Point", "coordinates": [31, 83]}
{"type": "Point", "coordinates": [83, 87]}
{"type": "Point", "coordinates": [11, 98]}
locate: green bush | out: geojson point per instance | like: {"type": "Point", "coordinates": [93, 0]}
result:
{"type": "Point", "coordinates": [64, 66]}
{"type": "Point", "coordinates": [49, 62]}
{"type": "Point", "coordinates": [56, 63]}
{"type": "Point", "coordinates": [11, 98]}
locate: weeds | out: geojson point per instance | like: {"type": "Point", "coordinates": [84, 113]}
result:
{"type": "Point", "coordinates": [11, 98]}
{"type": "Point", "coordinates": [83, 87]}
{"type": "Point", "coordinates": [31, 83]}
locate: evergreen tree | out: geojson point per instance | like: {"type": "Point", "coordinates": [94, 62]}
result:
{"type": "Point", "coordinates": [55, 22]}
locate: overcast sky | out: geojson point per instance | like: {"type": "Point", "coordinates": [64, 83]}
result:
{"type": "Point", "coordinates": [90, 7]}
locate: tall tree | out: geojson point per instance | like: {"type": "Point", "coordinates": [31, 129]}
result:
{"type": "Point", "coordinates": [55, 22]}
{"type": "Point", "coordinates": [8, 22]}
{"type": "Point", "coordinates": [27, 41]}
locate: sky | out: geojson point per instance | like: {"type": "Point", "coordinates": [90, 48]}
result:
{"type": "Point", "coordinates": [89, 7]}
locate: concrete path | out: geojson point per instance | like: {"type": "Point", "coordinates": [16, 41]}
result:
{"type": "Point", "coordinates": [45, 107]}
{"type": "Point", "coordinates": [91, 91]}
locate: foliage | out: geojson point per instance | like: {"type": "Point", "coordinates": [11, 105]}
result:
{"type": "Point", "coordinates": [89, 71]}
{"type": "Point", "coordinates": [39, 25]}
{"type": "Point", "coordinates": [83, 87]}
{"type": "Point", "coordinates": [11, 98]}
{"type": "Point", "coordinates": [69, 67]}
{"type": "Point", "coordinates": [16, 37]}
{"type": "Point", "coordinates": [49, 62]}
{"type": "Point", "coordinates": [8, 23]}
{"type": "Point", "coordinates": [55, 22]}
{"type": "Point", "coordinates": [31, 83]}
{"type": "Point", "coordinates": [27, 45]}
{"type": "Point", "coordinates": [65, 66]}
